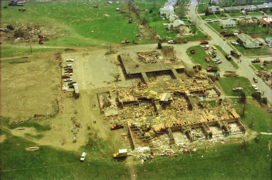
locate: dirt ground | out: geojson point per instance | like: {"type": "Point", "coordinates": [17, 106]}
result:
{"type": "Point", "coordinates": [29, 88]}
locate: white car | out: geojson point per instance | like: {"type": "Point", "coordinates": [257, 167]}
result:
{"type": "Point", "coordinates": [83, 156]}
{"type": "Point", "coordinates": [235, 43]}
{"type": "Point", "coordinates": [68, 80]}
{"type": "Point", "coordinates": [255, 87]}
{"type": "Point", "coordinates": [70, 60]}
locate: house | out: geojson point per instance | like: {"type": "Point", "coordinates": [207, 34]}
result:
{"type": "Point", "coordinates": [248, 22]}
{"type": "Point", "coordinates": [250, 8]}
{"type": "Point", "coordinates": [227, 23]}
{"type": "Point", "coordinates": [172, 18]}
{"type": "Point", "coordinates": [264, 22]}
{"type": "Point", "coordinates": [166, 11]}
{"type": "Point", "coordinates": [265, 6]}
{"type": "Point", "coordinates": [268, 40]}
{"type": "Point", "coordinates": [247, 41]}
{"type": "Point", "coordinates": [231, 9]}
{"type": "Point", "coordinates": [175, 25]}
{"type": "Point", "coordinates": [213, 10]}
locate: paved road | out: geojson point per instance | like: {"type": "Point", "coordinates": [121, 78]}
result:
{"type": "Point", "coordinates": [244, 68]}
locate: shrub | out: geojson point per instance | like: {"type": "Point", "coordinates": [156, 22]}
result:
{"type": "Point", "coordinates": [159, 45]}
{"type": "Point", "coordinates": [264, 100]}
{"type": "Point", "coordinates": [150, 11]}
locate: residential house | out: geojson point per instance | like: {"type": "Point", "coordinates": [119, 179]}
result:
{"type": "Point", "coordinates": [166, 11]}
{"type": "Point", "coordinates": [248, 22]}
{"type": "Point", "coordinates": [265, 22]}
{"type": "Point", "coordinates": [265, 6]}
{"type": "Point", "coordinates": [229, 23]}
{"type": "Point", "coordinates": [213, 10]}
{"type": "Point", "coordinates": [231, 9]}
{"type": "Point", "coordinates": [172, 18]}
{"type": "Point", "coordinates": [247, 41]}
{"type": "Point", "coordinates": [250, 8]}
{"type": "Point", "coordinates": [268, 40]}
{"type": "Point", "coordinates": [176, 24]}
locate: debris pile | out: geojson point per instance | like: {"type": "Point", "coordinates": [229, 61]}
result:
{"type": "Point", "coordinates": [29, 33]}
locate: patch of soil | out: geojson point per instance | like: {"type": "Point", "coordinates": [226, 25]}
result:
{"type": "Point", "coordinates": [247, 52]}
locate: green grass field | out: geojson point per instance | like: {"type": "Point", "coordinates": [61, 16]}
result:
{"type": "Point", "coordinates": [257, 13]}
{"type": "Point", "coordinates": [228, 84]}
{"type": "Point", "coordinates": [256, 30]}
{"type": "Point", "coordinates": [212, 16]}
{"type": "Point", "coordinates": [79, 23]}
{"type": "Point", "coordinates": [224, 53]}
{"type": "Point", "coordinates": [258, 66]}
{"type": "Point", "coordinates": [199, 57]}
{"type": "Point", "coordinates": [50, 163]}
{"type": "Point", "coordinates": [264, 50]}
{"type": "Point", "coordinates": [202, 8]}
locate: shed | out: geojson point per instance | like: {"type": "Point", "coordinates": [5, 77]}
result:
{"type": "Point", "coordinates": [213, 10]}
{"type": "Point", "coordinates": [227, 23]}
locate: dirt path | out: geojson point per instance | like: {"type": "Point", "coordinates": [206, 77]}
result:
{"type": "Point", "coordinates": [133, 175]}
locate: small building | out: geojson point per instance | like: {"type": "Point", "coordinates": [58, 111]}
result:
{"type": "Point", "coordinates": [268, 40]}
{"type": "Point", "coordinates": [175, 25]}
{"type": "Point", "coordinates": [231, 9]}
{"type": "Point", "coordinates": [248, 42]}
{"type": "Point", "coordinates": [166, 11]}
{"type": "Point", "coordinates": [229, 23]}
{"type": "Point", "coordinates": [265, 6]}
{"type": "Point", "coordinates": [213, 10]}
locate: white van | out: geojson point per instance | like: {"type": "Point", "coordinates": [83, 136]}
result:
{"type": "Point", "coordinates": [82, 158]}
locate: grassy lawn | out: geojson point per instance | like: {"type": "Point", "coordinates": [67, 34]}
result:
{"type": "Point", "coordinates": [50, 163]}
{"type": "Point", "coordinates": [202, 8]}
{"type": "Point", "coordinates": [228, 161]}
{"type": "Point", "coordinates": [264, 50]}
{"type": "Point", "coordinates": [199, 57]}
{"type": "Point", "coordinates": [235, 14]}
{"type": "Point", "coordinates": [199, 36]}
{"type": "Point", "coordinates": [257, 29]}
{"type": "Point", "coordinates": [78, 22]}
{"type": "Point", "coordinates": [266, 36]}
{"type": "Point", "coordinates": [224, 53]}
{"type": "Point", "coordinates": [269, 12]}
{"type": "Point", "coordinates": [228, 84]}
{"type": "Point", "coordinates": [255, 13]}
{"type": "Point", "coordinates": [258, 66]}
{"type": "Point", "coordinates": [262, 121]}
{"type": "Point", "coordinates": [217, 27]}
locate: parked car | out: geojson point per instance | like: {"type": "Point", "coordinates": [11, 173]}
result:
{"type": "Point", "coordinates": [223, 32]}
{"type": "Point", "coordinates": [83, 156]}
{"type": "Point", "coordinates": [254, 18]}
{"type": "Point", "coordinates": [234, 43]}
{"type": "Point", "coordinates": [256, 60]}
{"type": "Point", "coordinates": [68, 80]}
{"type": "Point", "coordinates": [216, 59]}
{"type": "Point", "coordinates": [224, 18]}
{"type": "Point", "coordinates": [209, 22]}
{"type": "Point", "coordinates": [218, 62]}
{"type": "Point", "coordinates": [214, 48]}
{"type": "Point", "coordinates": [216, 21]}
{"type": "Point", "coordinates": [234, 19]}
{"type": "Point", "coordinates": [207, 59]}
{"type": "Point", "coordinates": [70, 60]}
{"type": "Point", "coordinates": [207, 19]}
{"type": "Point", "coordinates": [255, 87]}
{"type": "Point", "coordinates": [255, 80]}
